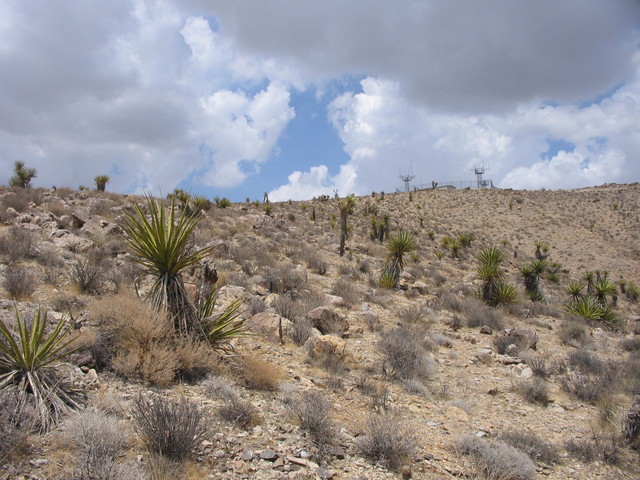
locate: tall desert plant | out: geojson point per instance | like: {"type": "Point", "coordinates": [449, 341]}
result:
{"type": "Point", "coordinates": [346, 206]}
{"type": "Point", "coordinates": [27, 361]}
{"type": "Point", "coordinates": [101, 182]}
{"type": "Point", "coordinates": [494, 290]}
{"type": "Point", "coordinates": [22, 176]}
{"type": "Point", "coordinates": [160, 243]}
{"type": "Point", "coordinates": [531, 274]}
{"type": "Point", "coordinates": [398, 246]}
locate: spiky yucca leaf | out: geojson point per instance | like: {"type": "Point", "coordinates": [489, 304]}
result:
{"type": "Point", "coordinates": [505, 294]}
{"type": "Point", "coordinates": [160, 244]}
{"type": "Point", "coordinates": [490, 273]}
{"type": "Point", "coordinates": [398, 246]}
{"type": "Point", "coordinates": [27, 363]}
{"type": "Point", "coordinates": [587, 308]}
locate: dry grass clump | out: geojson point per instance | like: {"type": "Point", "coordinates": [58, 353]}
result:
{"type": "Point", "coordinates": [87, 275]}
{"type": "Point", "coordinates": [19, 282]}
{"type": "Point", "coordinates": [387, 440]}
{"type": "Point", "coordinates": [495, 459]}
{"type": "Point", "coordinates": [140, 343]}
{"type": "Point", "coordinates": [260, 374]}
{"type": "Point", "coordinates": [405, 353]}
{"type": "Point", "coordinates": [167, 427]}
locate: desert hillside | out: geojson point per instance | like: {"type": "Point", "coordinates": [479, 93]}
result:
{"type": "Point", "coordinates": [344, 366]}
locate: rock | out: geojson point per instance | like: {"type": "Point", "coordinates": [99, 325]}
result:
{"type": "Point", "coordinates": [268, 324]}
{"type": "Point", "coordinates": [421, 287]}
{"type": "Point", "coordinates": [69, 241]}
{"type": "Point", "coordinates": [484, 357]}
{"type": "Point", "coordinates": [79, 219]}
{"type": "Point", "coordinates": [456, 414]}
{"type": "Point", "coordinates": [486, 330]}
{"type": "Point", "coordinates": [326, 345]}
{"type": "Point", "coordinates": [327, 320]}
{"type": "Point", "coordinates": [406, 472]}
{"type": "Point", "coordinates": [508, 360]}
{"type": "Point", "coordinates": [324, 474]}
{"type": "Point", "coordinates": [524, 338]}
{"type": "Point", "coordinates": [247, 455]}
{"type": "Point", "coordinates": [269, 455]}
{"type": "Point", "coordinates": [336, 451]}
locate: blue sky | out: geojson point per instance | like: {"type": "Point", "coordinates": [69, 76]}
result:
{"type": "Point", "coordinates": [299, 99]}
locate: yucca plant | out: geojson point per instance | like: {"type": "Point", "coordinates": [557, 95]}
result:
{"type": "Point", "coordinates": [453, 244]}
{"type": "Point", "coordinates": [490, 273]}
{"type": "Point", "coordinates": [603, 289]}
{"type": "Point", "coordinates": [531, 274]}
{"type": "Point", "coordinates": [200, 203]}
{"type": "Point", "coordinates": [505, 294]}
{"type": "Point", "coordinates": [220, 328]}
{"type": "Point", "coordinates": [346, 206]}
{"type": "Point", "coordinates": [466, 239]}
{"type": "Point", "coordinates": [574, 290]}
{"type": "Point", "coordinates": [398, 246]}
{"type": "Point", "coordinates": [542, 250]}
{"type": "Point", "coordinates": [101, 182]}
{"type": "Point", "coordinates": [587, 308]}
{"type": "Point", "coordinates": [160, 243]}
{"type": "Point", "coordinates": [632, 292]}
{"type": "Point", "coordinates": [27, 362]}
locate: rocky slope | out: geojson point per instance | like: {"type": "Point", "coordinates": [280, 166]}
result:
{"type": "Point", "coordinates": [428, 356]}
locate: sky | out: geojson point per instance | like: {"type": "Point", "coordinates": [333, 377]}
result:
{"type": "Point", "coordinates": [300, 98]}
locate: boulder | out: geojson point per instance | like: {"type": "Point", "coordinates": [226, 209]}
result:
{"type": "Point", "coordinates": [321, 346]}
{"type": "Point", "coordinates": [327, 320]}
{"type": "Point", "coordinates": [524, 338]}
{"type": "Point", "coordinates": [268, 325]}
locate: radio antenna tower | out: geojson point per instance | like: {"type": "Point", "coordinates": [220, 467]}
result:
{"type": "Point", "coordinates": [407, 179]}
{"type": "Point", "coordinates": [480, 171]}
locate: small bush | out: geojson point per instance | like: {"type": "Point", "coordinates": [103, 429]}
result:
{"type": "Point", "coordinates": [17, 244]}
{"type": "Point", "coordinates": [405, 355]}
{"type": "Point", "coordinates": [478, 314]}
{"type": "Point", "coordinates": [387, 441]}
{"type": "Point", "coordinates": [100, 441]}
{"type": "Point", "coordinates": [86, 275]}
{"type": "Point", "coordinates": [604, 447]}
{"type": "Point", "coordinates": [343, 287]}
{"type": "Point", "coordinates": [19, 282]}
{"type": "Point", "coordinates": [496, 460]}
{"type": "Point", "coordinates": [301, 331]}
{"type": "Point", "coordinates": [535, 390]}
{"type": "Point", "coordinates": [170, 428]}
{"type": "Point", "coordinates": [412, 313]}
{"type": "Point", "coordinates": [313, 410]}
{"type": "Point", "coordinates": [234, 409]}
{"type": "Point", "coordinates": [586, 387]}
{"type": "Point", "coordinates": [15, 424]}
{"type": "Point", "coordinates": [285, 278]}
{"type": "Point", "coordinates": [537, 448]}
{"type": "Point", "coordinates": [573, 333]}
{"type": "Point", "coordinates": [316, 263]}
{"type": "Point", "coordinates": [586, 363]}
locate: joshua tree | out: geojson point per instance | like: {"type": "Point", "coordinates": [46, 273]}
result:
{"type": "Point", "coordinates": [346, 206]}
{"type": "Point", "coordinates": [22, 176]}
{"type": "Point", "coordinates": [399, 245]}
{"type": "Point", "coordinates": [101, 182]}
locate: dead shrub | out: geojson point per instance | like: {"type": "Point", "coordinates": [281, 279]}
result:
{"type": "Point", "coordinates": [386, 440]}
{"type": "Point", "coordinates": [139, 343]}
{"type": "Point", "coordinates": [534, 390]}
{"type": "Point", "coordinates": [412, 313]}
{"type": "Point", "coordinates": [301, 331]}
{"type": "Point", "coordinates": [17, 244]}
{"type": "Point", "coordinates": [315, 262]}
{"type": "Point", "coordinates": [285, 278]}
{"type": "Point", "coordinates": [496, 460]}
{"type": "Point", "coordinates": [477, 314]}
{"type": "Point", "coordinates": [167, 427]}
{"type": "Point", "coordinates": [344, 288]}
{"type": "Point", "coordinates": [234, 409]}
{"type": "Point", "coordinates": [573, 333]}
{"type": "Point", "coordinates": [538, 449]}
{"type": "Point", "coordinates": [15, 424]}
{"type": "Point", "coordinates": [86, 275]}
{"type": "Point", "coordinates": [19, 282]}
{"type": "Point", "coordinates": [405, 354]}
{"type": "Point", "coordinates": [313, 410]}
{"type": "Point", "coordinates": [100, 441]}
{"type": "Point", "coordinates": [260, 374]}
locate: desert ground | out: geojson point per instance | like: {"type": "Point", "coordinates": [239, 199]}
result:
{"type": "Point", "coordinates": [334, 376]}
